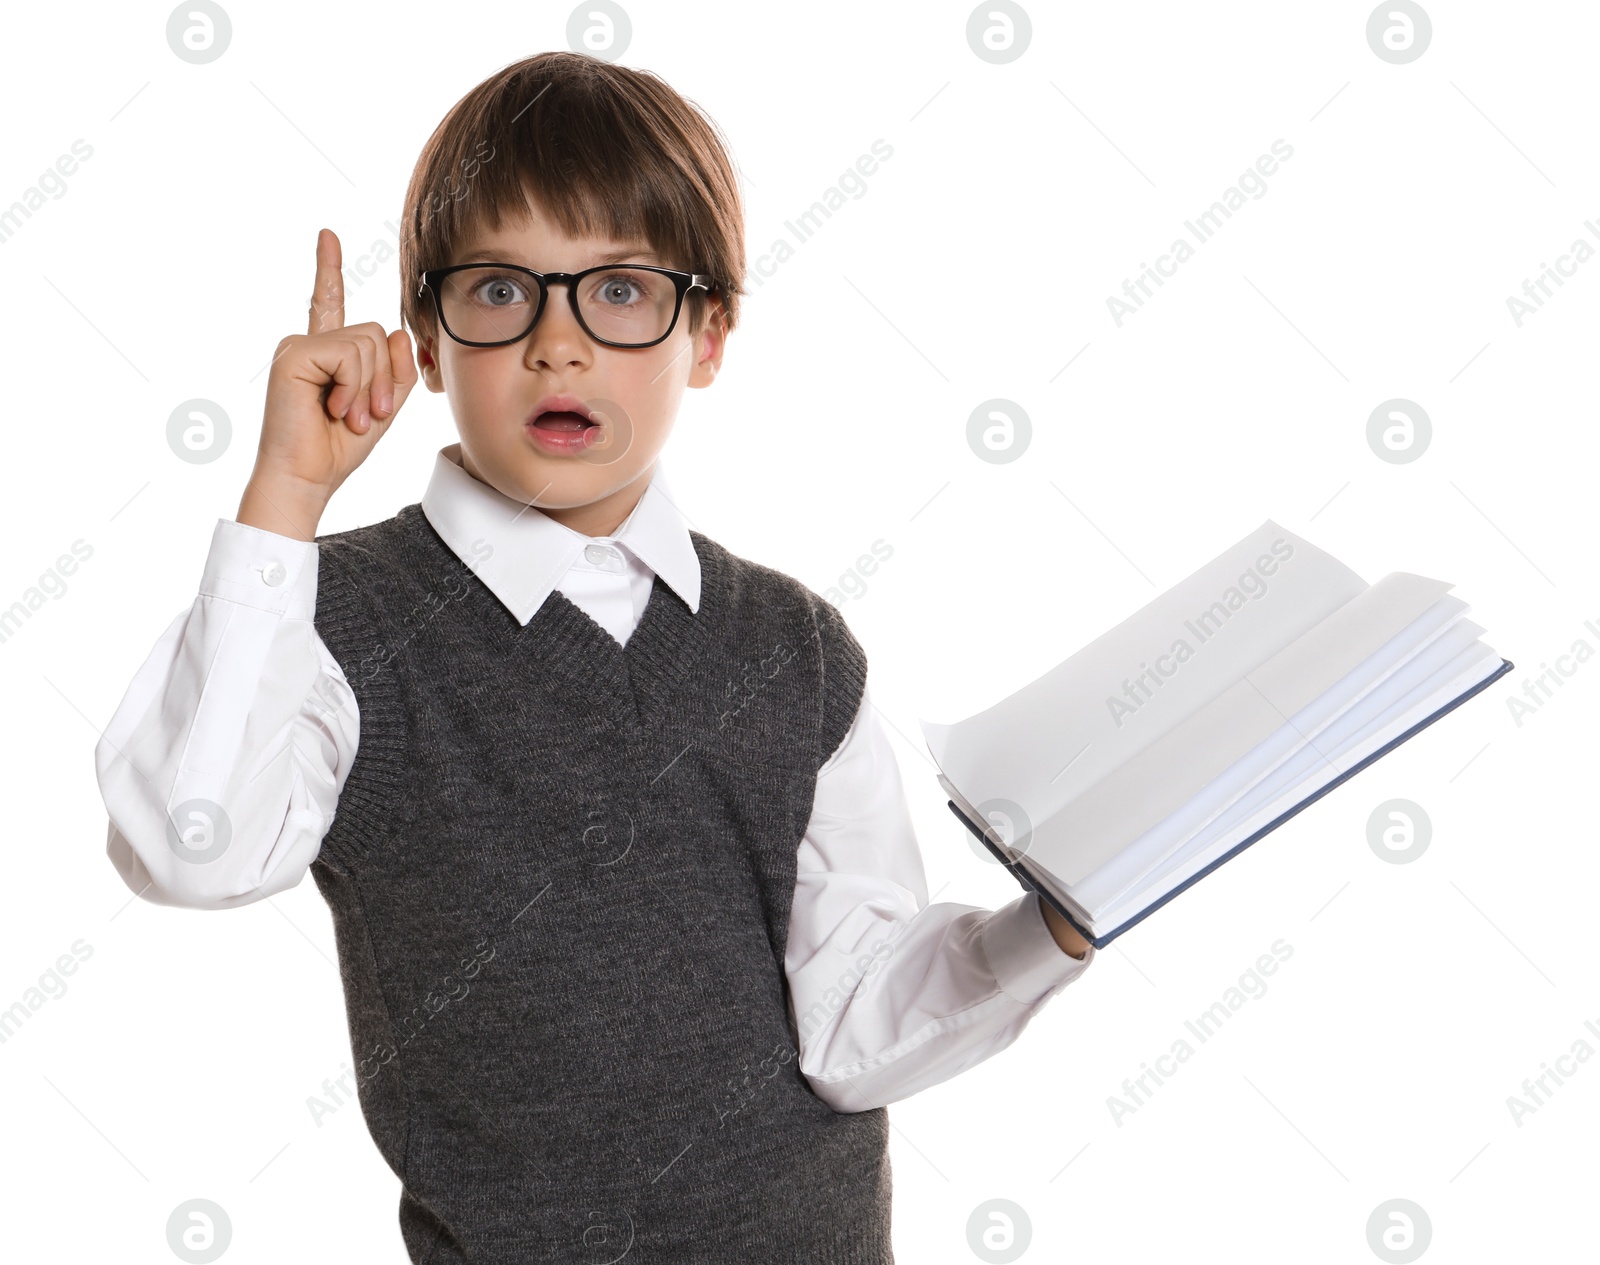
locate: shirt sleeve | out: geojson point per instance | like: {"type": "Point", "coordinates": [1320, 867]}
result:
{"type": "Point", "coordinates": [223, 763]}
{"type": "Point", "coordinates": [889, 993]}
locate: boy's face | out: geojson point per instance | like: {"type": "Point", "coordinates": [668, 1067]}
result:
{"type": "Point", "coordinates": [633, 392]}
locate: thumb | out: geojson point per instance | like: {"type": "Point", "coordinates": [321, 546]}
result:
{"type": "Point", "coordinates": [403, 364]}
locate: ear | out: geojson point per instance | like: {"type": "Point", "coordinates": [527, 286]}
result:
{"type": "Point", "coordinates": [709, 344]}
{"type": "Point", "coordinates": [428, 360]}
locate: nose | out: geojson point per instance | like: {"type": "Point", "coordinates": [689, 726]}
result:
{"type": "Point", "coordinates": [557, 340]}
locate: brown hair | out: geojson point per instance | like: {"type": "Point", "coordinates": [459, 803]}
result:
{"type": "Point", "coordinates": [602, 149]}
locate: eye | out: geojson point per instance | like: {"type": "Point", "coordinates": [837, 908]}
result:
{"type": "Point", "coordinates": [622, 289]}
{"type": "Point", "coordinates": [499, 291]}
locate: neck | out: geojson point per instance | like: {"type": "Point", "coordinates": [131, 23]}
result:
{"type": "Point", "coordinates": [596, 518]}
{"type": "Point", "coordinates": [602, 517]}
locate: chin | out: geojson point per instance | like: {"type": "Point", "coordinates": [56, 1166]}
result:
{"type": "Point", "coordinates": [566, 484]}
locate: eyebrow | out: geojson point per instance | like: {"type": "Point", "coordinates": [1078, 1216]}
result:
{"type": "Point", "coordinates": [495, 255]}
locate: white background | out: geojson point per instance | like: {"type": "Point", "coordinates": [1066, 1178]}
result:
{"type": "Point", "coordinates": [977, 264]}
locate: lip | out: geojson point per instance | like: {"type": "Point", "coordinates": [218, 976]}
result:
{"type": "Point", "coordinates": [560, 404]}
{"type": "Point", "coordinates": [562, 441]}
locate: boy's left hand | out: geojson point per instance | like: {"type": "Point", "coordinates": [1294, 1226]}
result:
{"type": "Point", "coordinates": [1066, 935]}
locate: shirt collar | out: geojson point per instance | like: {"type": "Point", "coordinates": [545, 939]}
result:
{"type": "Point", "coordinates": [530, 552]}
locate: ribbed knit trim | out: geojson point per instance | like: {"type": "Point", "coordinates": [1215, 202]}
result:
{"type": "Point", "coordinates": [377, 784]}
{"type": "Point", "coordinates": [661, 663]}
{"type": "Point", "coordinates": [867, 1244]}
{"type": "Point", "coordinates": [634, 683]}
{"type": "Point", "coordinates": [844, 676]}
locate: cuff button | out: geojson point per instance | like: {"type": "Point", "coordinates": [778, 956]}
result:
{"type": "Point", "coordinates": [273, 573]}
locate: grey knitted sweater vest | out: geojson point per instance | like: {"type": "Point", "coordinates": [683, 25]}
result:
{"type": "Point", "coordinates": [560, 875]}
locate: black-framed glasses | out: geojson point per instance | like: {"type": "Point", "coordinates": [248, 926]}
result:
{"type": "Point", "coordinates": [619, 305]}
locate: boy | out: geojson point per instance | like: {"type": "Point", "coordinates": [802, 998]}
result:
{"type": "Point", "coordinates": [631, 924]}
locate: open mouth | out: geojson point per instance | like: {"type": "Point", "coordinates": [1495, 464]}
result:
{"type": "Point", "coordinates": [568, 423]}
{"type": "Point", "coordinates": [563, 424]}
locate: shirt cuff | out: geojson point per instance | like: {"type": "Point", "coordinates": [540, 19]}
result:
{"type": "Point", "coordinates": [1024, 956]}
{"type": "Point", "coordinates": [261, 569]}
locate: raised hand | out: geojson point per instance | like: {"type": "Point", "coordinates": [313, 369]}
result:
{"type": "Point", "coordinates": [331, 396]}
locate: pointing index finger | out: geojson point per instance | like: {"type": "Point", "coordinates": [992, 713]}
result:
{"type": "Point", "coordinates": [327, 297]}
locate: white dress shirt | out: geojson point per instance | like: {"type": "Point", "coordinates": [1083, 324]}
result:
{"type": "Point", "coordinates": [240, 702]}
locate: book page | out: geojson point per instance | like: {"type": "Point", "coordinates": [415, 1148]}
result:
{"type": "Point", "coordinates": [1060, 735]}
{"type": "Point", "coordinates": [1371, 726]}
{"type": "Point", "coordinates": [1155, 782]}
{"type": "Point", "coordinates": [1312, 735]}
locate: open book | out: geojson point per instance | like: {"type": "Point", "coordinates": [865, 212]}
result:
{"type": "Point", "coordinates": [1203, 721]}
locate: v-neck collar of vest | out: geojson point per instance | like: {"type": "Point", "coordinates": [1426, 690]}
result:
{"type": "Point", "coordinates": [634, 682]}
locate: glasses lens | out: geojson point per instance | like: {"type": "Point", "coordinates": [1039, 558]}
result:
{"type": "Point", "coordinates": [490, 304]}
{"type": "Point", "coordinates": [627, 305]}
